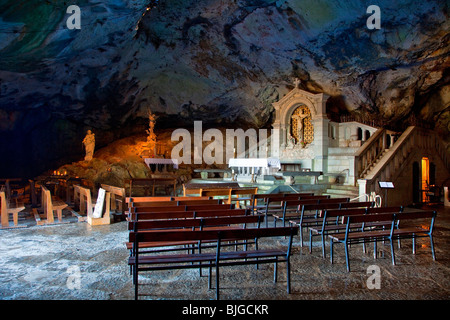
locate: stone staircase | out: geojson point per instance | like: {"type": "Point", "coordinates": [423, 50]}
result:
{"type": "Point", "coordinates": [370, 168]}
{"type": "Point", "coordinates": [342, 191]}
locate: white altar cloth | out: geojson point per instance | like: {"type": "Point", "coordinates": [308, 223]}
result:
{"type": "Point", "coordinates": [149, 161]}
{"type": "Point", "coordinates": [255, 162]}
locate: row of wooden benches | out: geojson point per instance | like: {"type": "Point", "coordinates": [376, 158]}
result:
{"type": "Point", "coordinates": [199, 226]}
{"type": "Point", "coordinates": [166, 224]}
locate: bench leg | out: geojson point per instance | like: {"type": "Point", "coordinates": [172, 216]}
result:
{"type": "Point", "coordinates": [432, 247]}
{"type": "Point", "coordinates": [275, 271]}
{"type": "Point", "coordinates": [324, 254]}
{"type": "Point", "coordinates": [210, 278]}
{"type": "Point", "coordinates": [347, 259]}
{"type": "Point", "coordinates": [310, 241]}
{"type": "Point", "coordinates": [375, 249]}
{"type": "Point", "coordinates": [59, 214]}
{"type": "Point", "coordinates": [301, 235]}
{"type": "Point", "coordinates": [288, 275]}
{"type": "Point", "coordinates": [135, 281]}
{"type": "Point", "coordinates": [392, 251]}
{"type": "Point", "coordinates": [331, 251]}
{"type": "Point", "coordinates": [217, 281]}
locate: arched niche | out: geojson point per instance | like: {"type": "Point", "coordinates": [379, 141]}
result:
{"type": "Point", "coordinates": [287, 106]}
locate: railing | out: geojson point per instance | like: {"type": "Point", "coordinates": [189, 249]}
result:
{"type": "Point", "coordinates": [369, 152]}
{"type": "Point", "coordinates": [372, 150]}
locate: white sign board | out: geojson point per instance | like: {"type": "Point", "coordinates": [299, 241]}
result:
{"type": "Point", "coordinates": [386, 185]}
{"type": "Point", "coordinates": [99, 205]}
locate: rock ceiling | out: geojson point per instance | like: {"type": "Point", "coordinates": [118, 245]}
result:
{"type": "Point", "coordinates": [223, 62]}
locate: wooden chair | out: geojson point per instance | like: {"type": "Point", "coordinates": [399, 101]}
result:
{"type": "Point", "coordinates": [7, 208]}
{"type": "Point", "coordinates": [117, 197]}
{"type": "Point", "coordinates": [94, 212]}
{"type": "Point", "coordinates": [49, 205]}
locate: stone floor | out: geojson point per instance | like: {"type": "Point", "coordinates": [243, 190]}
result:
{"type": "Point", "coordinates": [76, 261]}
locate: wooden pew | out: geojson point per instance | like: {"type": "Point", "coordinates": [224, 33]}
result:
{"type": "Point", "coordinates": [117, 197]}
{"type": "Point", "coordinates": [96, 213]}
{"type": "Point", "coordinates": [7, 208]}
{"type": "Point", "coordinates": [200, 207]}
{"type": "Point", "coordinates": [310, 215]}
{"type": "Point", "coordinates": [242, 194]}
{"type": "Point", "coordinates": [260, 201]}
{"type": "Point", "coordinates": [331, 224]}
{"type": "Point", "coordinates": [224, 194]}
{"type": "Point", "coordinates": [395, 232]}
{"type": "Point", "coordinates": [185, 219]}
{"type": "Point", "coordinates": [196, 188]}
{"type": "Point", "coordinates": [290, 208]}
{"type": "Point", "coordinates": [50, 204]}
{"type": "Point", "coordinates": [151, 184]}
{"type": "Point", "coordinates": [135, 204]}
{"type": "Point", "coordinates": [217, 259]}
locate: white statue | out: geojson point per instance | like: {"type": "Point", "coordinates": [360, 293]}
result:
{"type": "Point", "coordinates": [89, 145]}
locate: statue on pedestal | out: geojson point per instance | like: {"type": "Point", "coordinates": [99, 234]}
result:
{"type": "Point", "coordinates": [89, 145]}
{"type": "Point", "coordinates": [149, 147]}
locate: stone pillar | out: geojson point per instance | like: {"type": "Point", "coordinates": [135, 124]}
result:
{"type": "Point", "coordinates": [362, 187]}
{"type": "Point", "coordinates": [320, 144]}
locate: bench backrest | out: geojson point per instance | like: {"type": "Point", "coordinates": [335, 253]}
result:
{"type": "Point", "coordinates": [83, 195]}
{"type": "Point", "coordinates": [118, 191]}
{"type": "Point", "coordinates": [159, 215]}
{"type": "Point", "coordinates": [296, 203]}
{"type": "Point", "coordinates": [365, 204]}
{"type": "Point", "coordinates": [186, 214]}
{"type": "Point", "coordinates": [146, 199]}
{"type": "Point", "coordinates": [4, 209]}
{"type": "Point", "coordinates": [175, 203]}
{"type": "Point", "coordinates": [334, 200]}
{"type": "Point", "coordinates": [208, 235]}
{"type": "Point", "coordinates": [190, 198]}
{"type": "Point", "coordinates": [46, 199]}
{"type": "Point", "coordinates": [150, 183]}
{"type": "Point", "coordinates": [226, 192]}
{"type": "Point", "coordinates": [193, 223]}
{"type": "Point", "coordinates": [369, 218]}
{"type": "Point", "coordinates": [333, 213]}
{"type": "Point", "coordinates": [244, 191]}
{"type": "Point", "coordinates": [416, 215]}
{"type": "Point", "coordinates": [319, 206]}
{"type": "Point", "coordinates": [156, 209]}
{"type": "Point", "coordinates": [393, 209]}
{"type": "Point", "coordinates": [188, 207]}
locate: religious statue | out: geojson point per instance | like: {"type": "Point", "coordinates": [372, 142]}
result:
{"type": "Point", "coordinates": [149, 148]}
{"type": "Point", "coordinates": [299, 118]}
{"type": "Point", "coordinates": [89, 145]}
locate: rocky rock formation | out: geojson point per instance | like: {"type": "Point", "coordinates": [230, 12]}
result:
{"type": "Point", "coordinates": [223, 62]}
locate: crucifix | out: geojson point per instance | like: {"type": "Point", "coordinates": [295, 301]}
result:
{"type": "Point", "coordinates": [299, 118]}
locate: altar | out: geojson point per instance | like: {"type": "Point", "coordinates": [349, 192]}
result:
{"type": "Point", "coordinates": [160, 164]}
{"type": "Point", "coordinates": [253, 166]}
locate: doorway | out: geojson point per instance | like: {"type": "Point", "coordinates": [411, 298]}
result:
{"type": "Point", "coordinates": [425, 175]}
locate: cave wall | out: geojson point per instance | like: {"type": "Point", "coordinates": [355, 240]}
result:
{"type": "Point", "coordinates": [222, 62]}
